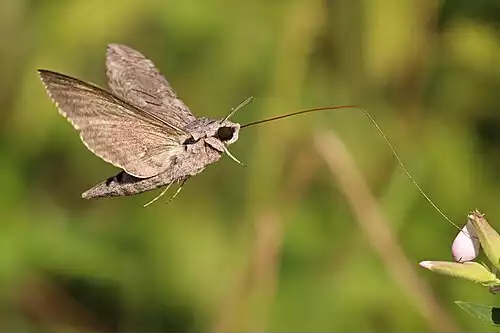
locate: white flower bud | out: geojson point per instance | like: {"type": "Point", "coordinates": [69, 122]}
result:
{"type": "Point", "coordinates": [466, 245]}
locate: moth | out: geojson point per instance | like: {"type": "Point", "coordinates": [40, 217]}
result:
{"type": "Point", "coordinates": [141, 126]}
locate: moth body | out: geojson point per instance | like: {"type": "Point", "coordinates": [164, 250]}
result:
{"type": "Point", "coordinates": [201, 148]}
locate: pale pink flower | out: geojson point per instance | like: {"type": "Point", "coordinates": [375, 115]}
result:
{"type": "Point", "coordinates": [466, 245]}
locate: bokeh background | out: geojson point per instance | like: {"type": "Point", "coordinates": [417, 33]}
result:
{"type": "Point", "coordinates": [322, 230]}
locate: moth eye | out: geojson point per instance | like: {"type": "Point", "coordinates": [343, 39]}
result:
{"type": "Point", "coordinates": [225, 133]}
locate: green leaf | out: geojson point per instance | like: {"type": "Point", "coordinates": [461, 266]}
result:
{"type": "Point", "coordinates": [470, 270]}
{"type": "Point", "coordinates": [486, 313]}
{"type": "Point", "coordinates": [489, 238]}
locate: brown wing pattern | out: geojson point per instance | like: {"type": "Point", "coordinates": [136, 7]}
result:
{"type": "Point", "coordinates": [136, 79]}
{"type": "Point", "coordinates": [130, 138]}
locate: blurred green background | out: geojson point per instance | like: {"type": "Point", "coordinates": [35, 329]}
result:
{"type": "Point", "coordinates": [287, 243]}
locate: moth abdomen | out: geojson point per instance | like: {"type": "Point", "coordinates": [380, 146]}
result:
{"type": "Point", "coordinates": [124, 184]}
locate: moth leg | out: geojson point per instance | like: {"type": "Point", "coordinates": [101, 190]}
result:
{"type": "Point", "coordinates": [178, 190]}
{"type": "Point", "coordinates": [158, 196]}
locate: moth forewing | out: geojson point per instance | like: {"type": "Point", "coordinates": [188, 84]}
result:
{"type": "Point", "coordinates": [111, 128]}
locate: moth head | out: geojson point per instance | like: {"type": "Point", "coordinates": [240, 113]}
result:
{"type": "Point", "coordinates": [227, 132]}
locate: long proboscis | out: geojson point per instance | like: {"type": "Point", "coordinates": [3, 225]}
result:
{"type": "Point", "coordinates": [325, 108]}
{"type": "Point", "coordinates": [379, 129]}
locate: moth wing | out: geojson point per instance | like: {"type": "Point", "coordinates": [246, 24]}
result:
{"type": "Point", "coordinates": [119, 133]}
{"type": "Point", "coordinates": [136, 79]}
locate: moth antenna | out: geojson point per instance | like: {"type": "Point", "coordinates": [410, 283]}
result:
{"type": "Point", "coordinates": [239, 106]}
{"type": "Point", "coordinates": [372, 120]}
{"type": "Point", "coordinates": [234, 158]}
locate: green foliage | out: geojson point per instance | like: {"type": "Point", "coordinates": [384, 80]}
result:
{"type": "Point", "coordinates": [474, 271]}
{"type": "Point", "coordinates": [486, 313]}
